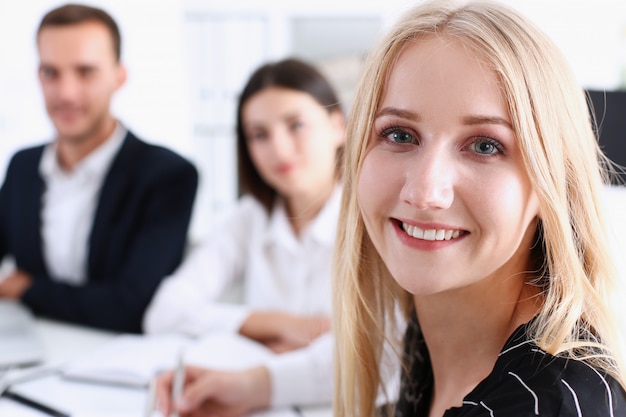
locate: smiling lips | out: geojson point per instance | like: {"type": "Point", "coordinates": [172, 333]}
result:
{"type": "Point", "coordinates": [430, 234]}
{"type": "Point", "coordinates": [284, 168]}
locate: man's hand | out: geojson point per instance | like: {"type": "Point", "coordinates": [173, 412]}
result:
{"type": "Point", "coordinates": [14, 285]}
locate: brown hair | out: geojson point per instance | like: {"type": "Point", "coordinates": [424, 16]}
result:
{"type": "Point", "coordinates": [73, 14]}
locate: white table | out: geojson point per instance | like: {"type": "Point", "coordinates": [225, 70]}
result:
{"type": "Point", "coordinates": [64, 342]}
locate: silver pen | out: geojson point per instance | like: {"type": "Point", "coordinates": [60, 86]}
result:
{"type": "Point", "coordinates": [151, 403]}
{"type": "Point", "coordinates": [178, 384]}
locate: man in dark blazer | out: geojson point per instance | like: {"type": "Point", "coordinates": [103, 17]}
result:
{"type": "Point", "coordinates": [94, 220]}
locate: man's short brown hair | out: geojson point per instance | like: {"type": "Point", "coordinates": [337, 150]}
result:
{"type": "Point", "coordinates": [72, 14]}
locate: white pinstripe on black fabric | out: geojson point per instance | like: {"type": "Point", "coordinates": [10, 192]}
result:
{"type": "Point", "coordinates": [575, 397]}
{"type": "Point", "coordinates": [525, 381]}
{"type": "Point", "coordinates": [529, 390]}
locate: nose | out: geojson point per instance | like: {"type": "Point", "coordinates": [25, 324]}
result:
{"type": "Point", "coordinates": [280, 144]}
{"type": "Point", "coordinates": [429, 181]}
{"type": "Point", "coordinates": [67, 87]}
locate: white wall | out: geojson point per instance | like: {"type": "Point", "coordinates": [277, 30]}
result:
{"type": "Point", "coordinates": [591, 34]}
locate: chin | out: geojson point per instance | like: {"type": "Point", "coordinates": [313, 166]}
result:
{"type": "Point", "coordinates": [420, 285]}
{"type": "Point", "coordinates": [72, 136]}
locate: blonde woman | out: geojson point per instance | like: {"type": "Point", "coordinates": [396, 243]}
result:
{"type": "Point", "coordinates": [471, 205]}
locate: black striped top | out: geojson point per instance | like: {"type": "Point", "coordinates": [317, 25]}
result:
{"type": "Point", "coordinates": [525, 381]}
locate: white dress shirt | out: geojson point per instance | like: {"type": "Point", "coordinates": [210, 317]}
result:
{"type": "Point", "coordinates": [258, 263]}
{"type": "Point", "coordinates": [69, 205]}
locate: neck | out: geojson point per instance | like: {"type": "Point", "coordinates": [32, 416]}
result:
{"type": "Point", "coordinates": [303, 208]}
{"type": "Point", "coordinates": [465, 331]}
{"type": "Point", "coordinates": [72, 150]}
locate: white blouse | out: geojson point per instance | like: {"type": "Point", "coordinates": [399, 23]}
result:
{"type": "Point", "coordinates": [255, 262]}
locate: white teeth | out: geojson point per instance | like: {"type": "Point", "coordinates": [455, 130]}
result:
{"type": "Point", "coordinates": [430, 234]}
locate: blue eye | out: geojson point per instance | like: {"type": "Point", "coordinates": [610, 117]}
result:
{"type": "Point", "coordinates": [486, 146]}
{"type": "Point", "coordinates": [398, 135]}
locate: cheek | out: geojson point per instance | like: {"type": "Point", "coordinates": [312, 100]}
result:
{"type": "Point", "coordinates": [49, 90]}
{"type": "Point", "coordinates": [99, 89]}
{"type": "Point", "coordinates": [376, 189]}
{"type": "Point", "coordinates": [512, 207]}
{"type": "Point", "coordinates": [322, 152]}
{"type": "Point", "coordinates": [256, 155]}
{"type": "Point", "coordinates": [101, 92]}
{"type": "Point", "coordinates": [364, 186]}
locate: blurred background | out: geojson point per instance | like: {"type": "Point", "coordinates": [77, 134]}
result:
{"type": "Point", "coordinates": [188, 59]}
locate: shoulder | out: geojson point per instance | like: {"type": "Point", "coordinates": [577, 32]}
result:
{"type": "Point", "coordinates": [244, 221]}
{"type": "Point", "coordinates": [250, 205]}
{"type": "Point", "coordinates": [326, 219]}
{"type": "Point", "coordinates": [152, 157]}
{"type": "Point", "coordinates": [245, 211]}
{"type": "Point", "coordinates": [30, 155]}
{"type": "Point", "coordinates": [24, 164]}
{"type": "Point", "coordinates": [528, 381]}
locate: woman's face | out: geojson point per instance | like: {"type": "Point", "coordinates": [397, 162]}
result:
{"type": "Point", "coordinates": [292, 140]}
{"type": "Point", "coordinates": [443, 190]}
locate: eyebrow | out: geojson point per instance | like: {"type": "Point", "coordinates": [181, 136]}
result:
{"type": "Point", "coordinates": [287, 116]}
{"type": "Point", "coordinates": [467, 120]}
{"type": "Point", "coordinates": [80, 66]}
{"type": "Point", "coordinates": [393, 111]}
{"type": "Point", "coordinates": [490, 120]}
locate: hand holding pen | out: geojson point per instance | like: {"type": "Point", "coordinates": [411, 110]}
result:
{"type": "Point", "coordinates": [178, 384]}
{"type": "Point", "coordinates": [209, 392]}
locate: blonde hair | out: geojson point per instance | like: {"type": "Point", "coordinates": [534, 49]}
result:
{"type": "Point", "coordinates": [550, 116]}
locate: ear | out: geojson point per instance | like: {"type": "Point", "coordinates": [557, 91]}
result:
{"type": "Point", "coordinates": [121, 76]}
{"type": "Point", "coordinates": [338, 122]}
{"type": "Point", "coordinates": [538, 206]}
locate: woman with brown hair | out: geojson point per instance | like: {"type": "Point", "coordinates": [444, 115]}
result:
{"type": "Point", "coordinates": [275, 248]}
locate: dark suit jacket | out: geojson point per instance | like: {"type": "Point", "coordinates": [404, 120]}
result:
{"type": "Point", "coordinates": [137, 238]}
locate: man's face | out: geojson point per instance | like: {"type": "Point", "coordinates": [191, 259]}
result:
{"type": "Point", "coordinates": [79, 74]}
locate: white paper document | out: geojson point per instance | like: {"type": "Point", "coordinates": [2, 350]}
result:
{"type": "Point", "coordinates": [136, 359]}
{"type": "Point", "coordinates": [80, 399]}
{"type": "Point", "coordinates": [10, 408]}
{"type": "Point", "coordinates": [128, 360]}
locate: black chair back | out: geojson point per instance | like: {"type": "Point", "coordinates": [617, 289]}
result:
{"type": "Point", "coordinates": [610, 115]}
